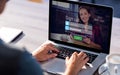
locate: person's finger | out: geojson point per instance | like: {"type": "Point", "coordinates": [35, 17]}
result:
{"type": "Point", "coordinates": [86, 59]}
{"type": "Point", "coordinates": [71, 37]}
{"type": "Point", "coordinates": [53, 49]}
{"type": "Point", "coordinates": [81, 54]}
{"type": "Point", "coordinates": [50, 44]}
{"type": "Point", "coordinates": [75, 53]}
{"type": "Point", "coordinates": [84, 62]}
{"type": "Point", "coordinates": [52, 56]}
{"type": "Point", "coordinates": [67, 58]}
{"type": "Point", "coordinates": [74, 56]}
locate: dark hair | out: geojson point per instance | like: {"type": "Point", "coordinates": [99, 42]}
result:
{"type": "Point", "coordinates": [89, 11]}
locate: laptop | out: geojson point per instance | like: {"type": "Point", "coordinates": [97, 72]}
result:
{"type": "Point", "coordinates": [76, 27]}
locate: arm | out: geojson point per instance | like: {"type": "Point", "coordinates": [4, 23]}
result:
{"type": "Point", "coordinates": [90, 42]}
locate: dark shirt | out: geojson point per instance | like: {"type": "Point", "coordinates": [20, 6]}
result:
{"type": "Point", "coordinates": [28, 65]}
{"type": "Point", "coordinates": [15, 61]}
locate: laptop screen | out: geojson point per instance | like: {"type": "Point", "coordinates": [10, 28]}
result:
{"type": "Point", "coordinates": [81, 25]}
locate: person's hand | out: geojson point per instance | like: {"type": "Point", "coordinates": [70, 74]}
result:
{"type": "Point", "coordinates": [43, 52]}
{"type": "Point", "coordinates": [71, 37]}
{"type": "Point", "coordinates": [87, 40]}
{"type": "Point", "coordinates": [75, 63]}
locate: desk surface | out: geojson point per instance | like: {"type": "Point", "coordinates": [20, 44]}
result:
{"type": "Point", "coordinates": [32, 18]}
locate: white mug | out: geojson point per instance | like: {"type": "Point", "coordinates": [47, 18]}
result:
{"type": "Point", "coordinates": [113, 64]}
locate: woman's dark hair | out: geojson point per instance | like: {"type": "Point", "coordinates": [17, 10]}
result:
{"type": "Point", "coordinates": [89, 11]}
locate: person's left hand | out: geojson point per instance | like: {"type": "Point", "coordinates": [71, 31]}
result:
{"type": "Point", "coordinates": [42, 53]}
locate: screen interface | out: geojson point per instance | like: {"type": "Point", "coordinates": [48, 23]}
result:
{"type": "Point", "coordinates": [81, 24]}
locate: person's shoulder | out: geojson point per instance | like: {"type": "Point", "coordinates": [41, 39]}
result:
{"type": "Point", "coordinates": [9, 58]}
{"type": "Point", "coordinates": [10, 50]}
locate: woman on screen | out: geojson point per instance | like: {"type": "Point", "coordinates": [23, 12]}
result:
{"type": "Point", "coordinates": [89, 31]}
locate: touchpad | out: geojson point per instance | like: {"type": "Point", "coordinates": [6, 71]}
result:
{"type": "Point", "coordinates": [55, 65]}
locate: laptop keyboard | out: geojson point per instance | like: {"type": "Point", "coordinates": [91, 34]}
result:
{"type": "Point", "coordinates": [64, 52]}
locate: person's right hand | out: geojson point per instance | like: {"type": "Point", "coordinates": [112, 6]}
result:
{"type": "Point", "coordinates": [75, 63]}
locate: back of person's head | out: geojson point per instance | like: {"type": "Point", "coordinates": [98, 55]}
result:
{"type": "Point", "coordinates": [2, 5]}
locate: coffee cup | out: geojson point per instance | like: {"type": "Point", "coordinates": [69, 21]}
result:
{"type": "Point", "coordinates": [113, 64]}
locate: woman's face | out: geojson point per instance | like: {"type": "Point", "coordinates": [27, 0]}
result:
{"type": "Point", "coordinates": [84, 15]}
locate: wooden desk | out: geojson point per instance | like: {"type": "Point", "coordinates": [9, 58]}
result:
{"type": "Point", "coordinates": [32, 18]}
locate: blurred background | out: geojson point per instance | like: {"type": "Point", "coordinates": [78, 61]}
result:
{"type": "Point", "coordinates": [112, 3]}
